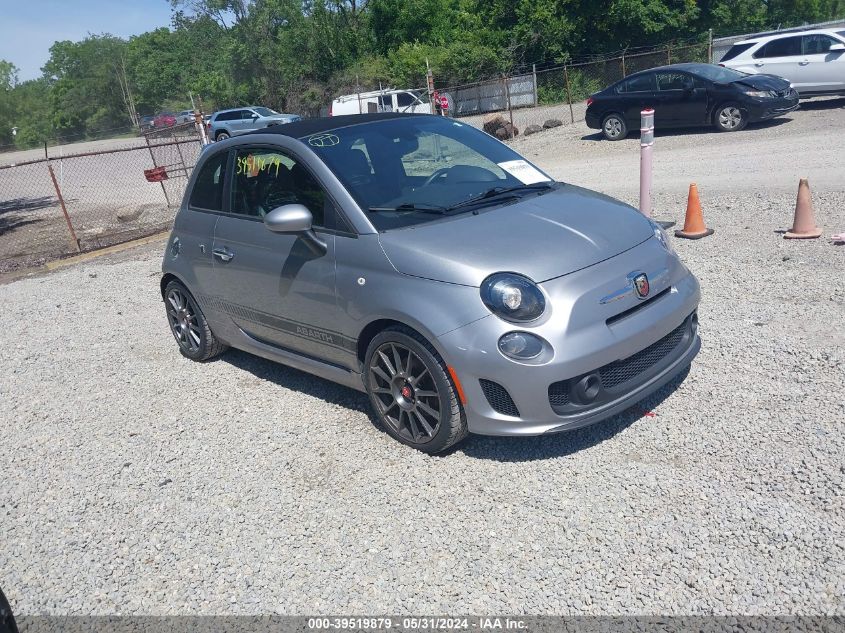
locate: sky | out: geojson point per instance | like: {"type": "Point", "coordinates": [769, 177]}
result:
{"type": "Point", "coordinates": [28, 28]}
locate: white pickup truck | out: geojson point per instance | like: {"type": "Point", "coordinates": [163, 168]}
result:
{"type": "Point", "coordinates": [388, 100]}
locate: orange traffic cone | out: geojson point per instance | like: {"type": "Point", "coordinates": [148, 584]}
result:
{"type": "Point", "coordinates": [804, 225]}
{"type": "Point", "coordinates": [694, 227]}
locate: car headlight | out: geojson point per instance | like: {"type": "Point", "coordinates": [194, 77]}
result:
{"type": "Point", "coordinates": [760, 94]}
{"type": "Point", "coordinates": [661, 236]}
{"type": "Point", "coordinates": [512, 297]}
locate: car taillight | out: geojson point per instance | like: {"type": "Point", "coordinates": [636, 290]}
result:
{"type": "Point", "coordinates": [589, 101]}
{"type": "Point", "coordinates": [330, 109]}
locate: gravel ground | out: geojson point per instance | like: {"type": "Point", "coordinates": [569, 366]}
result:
{"type": "Point", "coordinates": [137, 482]}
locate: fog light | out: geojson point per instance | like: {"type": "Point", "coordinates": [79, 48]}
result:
{"type": "Point", "coordinates": [520, 345]}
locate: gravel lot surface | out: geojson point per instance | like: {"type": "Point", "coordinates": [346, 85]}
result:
{"type": "Point", "coordinates": [137, 482]}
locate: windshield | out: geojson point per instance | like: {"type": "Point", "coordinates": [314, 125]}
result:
{"type": "Point", "coordinates": [411, 169]}
{"type": "Point", "coordinates": [717, 73]}
{"type": "Point", "coordinates": [264, 111]}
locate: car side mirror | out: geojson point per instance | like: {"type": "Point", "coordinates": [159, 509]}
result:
{"type": "Point", "coordinates": [296, 219]}
{"type": "Point", "coordinates": [253, 117]}
{"type": "Point", "coordinates": [836, 48]}
{"type": "Point", "coordinates": [289, 218]}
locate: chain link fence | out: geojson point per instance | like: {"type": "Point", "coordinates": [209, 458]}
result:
{"type": "Point", "coordinates": [560, 92]}
{"type": "Point", "coordinates": [51, 208]}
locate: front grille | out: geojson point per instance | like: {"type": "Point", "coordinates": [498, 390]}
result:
{"type": "Point", "coordinates": [563, 395]}
{"type": "Point", "coordinates": [624, 370]}
{"type": "Point", "coordinates": [499, 398]}
{"type": "Point", "coordinates": [559, 394]}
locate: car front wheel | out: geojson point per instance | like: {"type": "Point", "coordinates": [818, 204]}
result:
{"type": "Point", "coordinates": [614, 127]}
{"type": "Point", "coordinates": [730, 118]}
{"type": "Point", "coordinates": [188, 325]}
{"type": "Point", "coordinates": [412, 393]}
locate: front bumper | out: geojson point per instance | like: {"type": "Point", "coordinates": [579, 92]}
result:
{"type": "Point", "coordinates": [630, 347]}
{"type": "Point", "coordinates": [765, 109]}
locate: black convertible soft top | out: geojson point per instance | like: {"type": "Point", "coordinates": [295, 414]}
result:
{"type": "Point", "coordinates": [307, 127]}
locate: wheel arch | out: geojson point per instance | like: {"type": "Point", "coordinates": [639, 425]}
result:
{"type": "Point", "coordinates": [166, 278]}
{"type": "Point", "coordinates": [376, 326]}
{"type": "Point", "coordinates": [722, 103]}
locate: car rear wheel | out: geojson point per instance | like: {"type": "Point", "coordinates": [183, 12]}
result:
{"type": "Point", "coordinates": [614, 127]}
{"type": "Point", "coordinates": [188, 325]}
{"type": "Point", "coordinates": [730, 118]}
{"type": "Point", "coordinates": [221, 136]}
{"type": "Point", "coordinates": [411, 392]}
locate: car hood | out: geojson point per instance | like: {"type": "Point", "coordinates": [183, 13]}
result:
{"type": "Point", "coordinates": [541, 237]}
{"type": "Point", "coordinates": [763, 82]}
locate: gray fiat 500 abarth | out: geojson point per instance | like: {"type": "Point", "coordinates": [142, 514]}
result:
{"type": "Point", "coordinates": [422, 261]}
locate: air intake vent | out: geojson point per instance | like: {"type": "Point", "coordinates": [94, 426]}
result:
{"type": "Point", "coordinates": [499, 398]}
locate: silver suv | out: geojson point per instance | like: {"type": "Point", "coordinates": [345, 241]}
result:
{"type": "Point", "coordinates": [422, 261]}
{"type": "Point", "coordinates": [813, 61]}
{"type": "Point", "coordinates": [226, 123]}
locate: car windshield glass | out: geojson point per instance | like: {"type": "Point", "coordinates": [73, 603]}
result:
{"type": "Point", "coordinates": [265, 111]}
{"type": "Point", "coordinates": [717, 73]}
{"type": "Point", "coordinates": [413, 169]}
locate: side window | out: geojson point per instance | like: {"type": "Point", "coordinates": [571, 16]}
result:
{"type": "Point", "coordinates": [670, 81]}
{"type": "Point", "coordinates": [818, 44]}
{"type": "Point", "coordinates": [784, 47]}
{"type": "Point", "coordinates": [736, 50]}
{"type": "Point", "coordinates": [640, 83]}
{"type": "Point", "coordinates": [405, 99]}
{"type": "Point", "coordinates": [265, 179]}
{"type": "Point", "coordinates": [385, 103]}
{"type": "Point", "coordinates": [208, 187]}
{"type": "Point", "coordinates": [227, 116]}
{"type": "Point", "coordinates": [246, 115]}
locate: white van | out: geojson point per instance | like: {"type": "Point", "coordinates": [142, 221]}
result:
{"type": "Point", "coordinates": [381, 101]}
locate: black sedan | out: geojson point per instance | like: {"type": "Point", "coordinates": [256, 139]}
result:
{"type": "Point", "coordinates": [685, 95]}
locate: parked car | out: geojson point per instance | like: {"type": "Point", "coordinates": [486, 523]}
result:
{"type": "Point", "coordinates": [185, 116]}
{"type": "Point", "coordinates": [164, 119]}
{"type": "Point", "coordinates": [146, 122]}
{"type": "Point", "coordinates": [407, 101]}
{"type": "Point", "coordinates": [226, 123]}
{"type": "Point", "coordinates": [685, 95]}
{"type": "Point", "coordinates": [469, 293]}
{"type": "Point", "coordinates": [813, 61]}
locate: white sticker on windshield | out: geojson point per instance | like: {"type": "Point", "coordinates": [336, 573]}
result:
{"type": "Point", "coordinates": [523, 171]}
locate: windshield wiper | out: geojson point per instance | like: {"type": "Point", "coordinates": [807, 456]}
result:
{"type": "Point", "coordinates": [495, 192]}
{"type": "Point", "coordinates": [412, 207]}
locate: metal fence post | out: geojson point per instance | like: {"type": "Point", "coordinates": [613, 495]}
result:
{"type": "Point", "coordinates": [182, 159]}
{"type": "Point", "coordinates": [508, 97]}
{"type": "Point", "coordinates": [74, 239]}
{"type": "Point", "coordinates": [534, 72]}
{"type": "Point", "coordinates": [568, 94]}
{"type": "Point", "coordinates": [710, 46]}
{"type": "Point", "coordinates": [152, 156]}
{"type": "Point", "coordinates": [669, 54]}
{"type": "Point", "coordinates": [624, 74]}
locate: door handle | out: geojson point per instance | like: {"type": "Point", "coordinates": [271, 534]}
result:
{"type": "Point", "coordinates": [759, 64]}
{"type": "Point", "coordinates": [804, 62]}
{"type": "Point", "coordinates": [224, 254]}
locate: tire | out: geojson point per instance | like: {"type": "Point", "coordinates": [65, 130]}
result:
{"type": "Point", "coordinates": [730, 117]}
{"type": "Point", "coordinates": [614, 128]}
{"type": "Point", "coordinates": [188, 324]}
{"type": "Point", "coordinates": [221, 136]}
{"type": "Point", "coordinates": [404, 391]}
